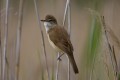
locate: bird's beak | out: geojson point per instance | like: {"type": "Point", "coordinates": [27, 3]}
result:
{"type": "Point", "coordinates": [43, 20]}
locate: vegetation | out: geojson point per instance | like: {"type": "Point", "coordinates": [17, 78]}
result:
{"type": "Point", "coordinates": [25, 53]}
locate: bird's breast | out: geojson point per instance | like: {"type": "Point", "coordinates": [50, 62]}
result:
{"type": "Point", "coordinates": [53, 45]}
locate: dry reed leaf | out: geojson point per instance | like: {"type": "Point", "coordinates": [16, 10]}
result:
{"type": "Point", "coordinates": [113, 36]}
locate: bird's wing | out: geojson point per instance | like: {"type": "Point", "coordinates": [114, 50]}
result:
{"type": "Point", "coordinates": [61, 39]}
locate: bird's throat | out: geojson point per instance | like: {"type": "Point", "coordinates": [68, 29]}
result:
{"type": "Point", "coordinates": [47, 26]}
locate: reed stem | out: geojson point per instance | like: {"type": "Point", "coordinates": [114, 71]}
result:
{"type": "Point", "coordinates": [5, 41]}
{"type": "Point", "coordinates": [69, 32]}
{"type": "Point", "coordinates": [18, 36]}
{"type": "Point", "coordinates": [42, 39]}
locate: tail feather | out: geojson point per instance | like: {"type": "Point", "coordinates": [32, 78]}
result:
{"type": "Point", "coordinates": [73, 63]}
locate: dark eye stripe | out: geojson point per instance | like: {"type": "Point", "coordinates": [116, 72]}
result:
{"type": "Point", "coordinates": [50, 20]}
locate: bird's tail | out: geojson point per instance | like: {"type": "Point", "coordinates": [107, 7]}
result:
{"type": "Point", "coordinates": [73, 63]}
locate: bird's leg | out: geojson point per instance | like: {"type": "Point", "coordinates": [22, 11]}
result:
{"type": "Point", "coordinates": [59, 57]}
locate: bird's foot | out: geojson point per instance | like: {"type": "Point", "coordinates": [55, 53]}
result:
{"type": "Point", "coordinates": [59, 58]}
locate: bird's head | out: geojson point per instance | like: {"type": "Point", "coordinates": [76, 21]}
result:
{"type": "Point", "coordinates": [49, 21]}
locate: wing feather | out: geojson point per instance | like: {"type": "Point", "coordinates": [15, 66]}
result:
{"type": "Point", "coordinates": [61, 39]}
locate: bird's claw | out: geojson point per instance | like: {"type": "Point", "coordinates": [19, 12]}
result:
{"type": "Point", "coordinates": [59, 59]}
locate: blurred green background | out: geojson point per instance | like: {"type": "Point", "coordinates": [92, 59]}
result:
{"type": "Point", "coordinates": [87, 36]}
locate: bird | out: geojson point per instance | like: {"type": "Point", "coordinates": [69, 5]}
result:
{"type": "Point", "coordinates": [59, 39]}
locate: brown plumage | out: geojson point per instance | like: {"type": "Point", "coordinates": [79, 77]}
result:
{"type": "Point", "coordinates": [60, 39]}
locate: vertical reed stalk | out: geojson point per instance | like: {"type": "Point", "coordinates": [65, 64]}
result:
{"type": "Point", "coordinates": [69, 27]}
{"type": "Point", "coordinates": [69, 32]}
{"type": "Point", "coordinates": [18, 36]}
{"type": "Point", "coordinates": [42, 39]}
{"type": "Point", "coordinates": [1, 61]}
{"type": "Point", "coordinates": [65, 12]}
{"type": "Point", "coordinates": [5, 41]}
{"type": "Point", "coordinates": [0, 52]}
{"type": "Point", "coordinates": [0, 58]}
{"type": "Point", "coordinates": [0, 45]}
{"type": "Point", "coordinates": [58, 64]}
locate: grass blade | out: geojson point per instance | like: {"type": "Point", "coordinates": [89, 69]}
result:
{"type": "Point", "coordinates": [92, 48]}
{"type": "Point", "coordinates": [94, 42]}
